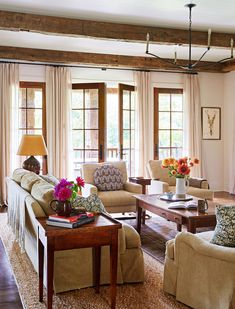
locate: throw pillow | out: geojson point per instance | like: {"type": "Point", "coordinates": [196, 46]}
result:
{"type": "Point", "coordinates": [43, 193]}
{"type": "Point", "coordinates": [224, 234]}
{"type": "Point", "coordinates": [108, 178]}
{"type": "Point", "coordinates": [92, 203]}
{"type": "Point", "coordinates": [28, 180]}
{"type": "Point", "coordinates": [51, 179]}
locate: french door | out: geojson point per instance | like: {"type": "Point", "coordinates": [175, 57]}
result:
{"type": "Point", "coordinates": [88, 123]}
{"type": "Point", "coordinates": [127, 126]}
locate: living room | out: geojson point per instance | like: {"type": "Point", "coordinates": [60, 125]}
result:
{"type": "Point", "coordinates": [79, 76]}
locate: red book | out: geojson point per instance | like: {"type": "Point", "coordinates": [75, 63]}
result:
{"type": "Point", "coordinates": [71, 219]}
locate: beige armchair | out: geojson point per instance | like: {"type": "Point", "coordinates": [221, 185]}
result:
{"type": "Point", "coordinates": [161, 182]}
{"type": "Point", "coordinates": [114, 201]}
{"type": "Point", "coordinates": [200, 274]}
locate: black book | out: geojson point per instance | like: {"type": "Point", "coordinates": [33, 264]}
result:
{"type": "Point", "coordinates": [71, 225]}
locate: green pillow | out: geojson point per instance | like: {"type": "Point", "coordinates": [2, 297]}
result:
{"type": "Point", "coordinates": [224, 234]}
{"type": "Point", "coordinates": [92, 203]}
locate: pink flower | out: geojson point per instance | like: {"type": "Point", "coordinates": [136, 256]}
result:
{"type": "Point", "coordinates": [80, 182]}
{"type": "Point", "coordinates": [64, 194]}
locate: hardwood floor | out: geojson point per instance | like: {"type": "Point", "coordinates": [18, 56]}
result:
{"type": "Point", "coordinates": [9, 295]}
{"type": "Point", "coordinates": [151, 241]}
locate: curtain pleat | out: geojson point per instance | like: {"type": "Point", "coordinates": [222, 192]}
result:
{"type": "Point", "coordinates": [192, 122]}
{"type": "Point", "coordinates": [9, 85]}
{"type": "Point", "coordinates": [144, 134]}
{"type": "Point", "coordinates": [58, 106]}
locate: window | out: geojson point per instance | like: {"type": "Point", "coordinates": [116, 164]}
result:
{"type": "Point", "coordinates": [32, 112]}
{"type": "Point", "coordinates": [168, 123]}
{"type": "Point", "coordinates": [127, 126]}
{"type": "Point", "coordinates": [112, 124]}
{"type": "Point", "coordinates": [88, 112]}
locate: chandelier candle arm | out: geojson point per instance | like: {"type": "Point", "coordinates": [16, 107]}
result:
{"type": "Point", "coordinates": [209, 39]}
{"type": "Point", "coordinates": [175, 56]}
{"type": "Point", "coordinates": [231, 44]}
{"type": "Point", "coordinates": [147, 45]}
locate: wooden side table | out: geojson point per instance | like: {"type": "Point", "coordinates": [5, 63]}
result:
{"type": "Point", "coordinates": [103, 231]}
{"type": "Point", "coordinates": [143, 182]}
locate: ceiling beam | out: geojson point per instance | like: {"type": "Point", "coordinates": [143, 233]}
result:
{"type": "Point", "coordinates": [105, 30]}
{"type": "Point", "coordinates": [229, 66]}
{"type": "Point", "coordinates": [102, 60]}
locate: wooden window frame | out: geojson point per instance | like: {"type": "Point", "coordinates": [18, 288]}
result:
{"type": "Point", "coordinates": [101, 109]}
{"type": "Point", "coordinates": [121, 88]}
{"type": "Point", "coordinates": [38, 85]}
{"type": "Point", "coordinates": [158, 91]}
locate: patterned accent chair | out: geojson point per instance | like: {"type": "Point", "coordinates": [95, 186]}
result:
{"type": "Point", "coordinates": [118, 201]}
{"type": "Point", "coordinates": [161, 182]}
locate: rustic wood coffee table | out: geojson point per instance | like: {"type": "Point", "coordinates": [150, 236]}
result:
{"type": "Point", "coordinates": [103, 231]}
{"type": "Point", "coordinates": [191, 218]}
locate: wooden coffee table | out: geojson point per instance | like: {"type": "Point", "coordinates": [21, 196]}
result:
{"type": "Point", "coordinates": [192, 219]}
{"type": "Point", "coordinates": [103, 231]}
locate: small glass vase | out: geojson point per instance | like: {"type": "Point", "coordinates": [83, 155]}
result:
{"type": "Point", "coordinates": [181, 187]}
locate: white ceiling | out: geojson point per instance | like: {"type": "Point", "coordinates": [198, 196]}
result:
{"type": "Point", "coordinates": [215, 14]}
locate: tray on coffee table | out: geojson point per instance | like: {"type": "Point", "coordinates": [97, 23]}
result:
{"type": "Point", "coordinates": [174, 198]}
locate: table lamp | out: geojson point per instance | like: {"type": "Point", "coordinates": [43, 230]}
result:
{"type": "Point", "coordinates": [32, 145]}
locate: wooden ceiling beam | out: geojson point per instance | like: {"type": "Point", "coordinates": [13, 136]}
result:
{"type": "Point", "coordinates": [102, 60]}
{"type": "Point", "coordinates": [228, 66]}
{"type": "Point", "coordinates": [15, 21]}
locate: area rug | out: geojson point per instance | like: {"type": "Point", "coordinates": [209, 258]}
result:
{"type": "Point", "coordinates": [147, 295]}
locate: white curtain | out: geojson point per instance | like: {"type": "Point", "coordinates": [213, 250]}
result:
{"type": "Point", "coordinates": [58, 98]}
{"type": "Point", "coordinates": [144, 115]}
{"type": "Point", "coordinates": [9, 85]}
{"type": "Point", "coordinates": [192, 121]}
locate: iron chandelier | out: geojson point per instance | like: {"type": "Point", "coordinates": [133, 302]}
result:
{"type": "Point", "coordinates": [192, 65]}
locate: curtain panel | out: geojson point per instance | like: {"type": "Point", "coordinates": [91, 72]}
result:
{"type": "Point", "coordinates": [192, 121]}
{"type": "Point", "coordinates": [9, 85]}
{"type": "Point", "coordinates": [58, 106]}
{"type": "Point", "coordinates": [143, 140]}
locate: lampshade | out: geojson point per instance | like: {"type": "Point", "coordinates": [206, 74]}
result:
{"type": "Point", "coordinates": [32, 145]}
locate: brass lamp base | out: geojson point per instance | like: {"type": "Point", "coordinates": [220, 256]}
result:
{"type": "Point", "coordinates": [32, 164]}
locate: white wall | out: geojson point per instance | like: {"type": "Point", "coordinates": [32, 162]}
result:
{"type": "Point", "coordinates": [212, 94]}
{"type": "Point", "coordinates": [32, 73]}
{"type": "Point", "coordinates": [83, 75]}
{"type": "Point", "coordinates": [229, 131]}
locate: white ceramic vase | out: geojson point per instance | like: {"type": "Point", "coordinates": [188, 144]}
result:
{"type": "Point", "coordinates": [181, 187]}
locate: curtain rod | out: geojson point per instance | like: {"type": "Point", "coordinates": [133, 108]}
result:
{"type": "Point", "coordinates": [94, 67]}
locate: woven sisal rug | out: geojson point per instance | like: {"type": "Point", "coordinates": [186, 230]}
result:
{"type": "Point", "coordinates": [148, 295]}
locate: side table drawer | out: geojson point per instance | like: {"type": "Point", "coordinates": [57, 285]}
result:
{"type": "Point", "coordinates": [174, 218]}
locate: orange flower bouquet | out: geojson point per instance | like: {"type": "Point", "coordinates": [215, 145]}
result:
{"type": "Point", "coordinates": [179, 168]}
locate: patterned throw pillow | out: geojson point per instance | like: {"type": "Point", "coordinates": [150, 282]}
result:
{"type": "Point", "coordinates": [108, 178]}
{"type": "Point", "coordinates": [92, 203]}
{"type": "Point", "coordinates": [224, 234]}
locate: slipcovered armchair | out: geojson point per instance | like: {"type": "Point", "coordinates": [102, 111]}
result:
{"type": "Point", "coordinates": [161, 182]}
{"type": "Point", "coordinates": [114, 201]}
{"type": "Point", "coordinates": [199, 273]}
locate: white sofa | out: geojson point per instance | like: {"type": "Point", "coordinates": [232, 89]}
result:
{"type": "Point", "coordinates": [200, 274]}
{"type": "Point", "coordinates": [29, 197]}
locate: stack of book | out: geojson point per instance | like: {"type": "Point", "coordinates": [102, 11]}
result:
{"type": "Point", "coordinates": [70, 222]}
